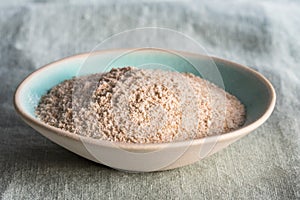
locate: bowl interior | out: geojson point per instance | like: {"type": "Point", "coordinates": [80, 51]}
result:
{"type": "Point", "coordinates": [247, 85]}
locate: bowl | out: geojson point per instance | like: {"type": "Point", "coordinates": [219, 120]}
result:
{"type": "Point", "coordinates": [252, 89]}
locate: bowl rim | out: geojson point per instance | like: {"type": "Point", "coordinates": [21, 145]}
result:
{"type": "Point", "coordinates": [111, 144]}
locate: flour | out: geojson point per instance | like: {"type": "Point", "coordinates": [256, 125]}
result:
{"type": "Point", "coordinates": [141, 106]}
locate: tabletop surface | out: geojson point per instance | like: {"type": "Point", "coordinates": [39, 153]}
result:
{"type": "Point", "coordinates": [261, 34]}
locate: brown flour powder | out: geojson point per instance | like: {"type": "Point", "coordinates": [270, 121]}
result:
{"type": "Point", "coordinates": [141, 106]}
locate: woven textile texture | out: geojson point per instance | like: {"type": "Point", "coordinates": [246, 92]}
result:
{"type": "Point", "coordinates": [261, 34]}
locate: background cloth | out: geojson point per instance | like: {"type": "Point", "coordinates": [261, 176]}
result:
{"type": "Point", "coordinates": [264, 35]}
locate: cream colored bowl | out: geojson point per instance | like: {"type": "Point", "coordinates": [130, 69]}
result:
{"type": "Point", "coordinates": [254, 90]}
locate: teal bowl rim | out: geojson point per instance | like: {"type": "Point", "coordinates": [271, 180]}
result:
{"type": "Point", "coordinates": [223, 137]}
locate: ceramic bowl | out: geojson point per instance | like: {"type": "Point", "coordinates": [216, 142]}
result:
{"type": "Point", "coordinates": [253, 90]}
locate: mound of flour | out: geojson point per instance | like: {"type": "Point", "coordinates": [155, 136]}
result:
{"type": "Point", "coordinates": [141, 106]}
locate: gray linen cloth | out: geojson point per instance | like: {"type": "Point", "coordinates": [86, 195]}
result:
{"type": "Point", "coordinates": [261, 34]}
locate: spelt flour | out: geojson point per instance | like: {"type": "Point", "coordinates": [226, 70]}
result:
{"type": "Point", "coordinates": [141, 106]}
